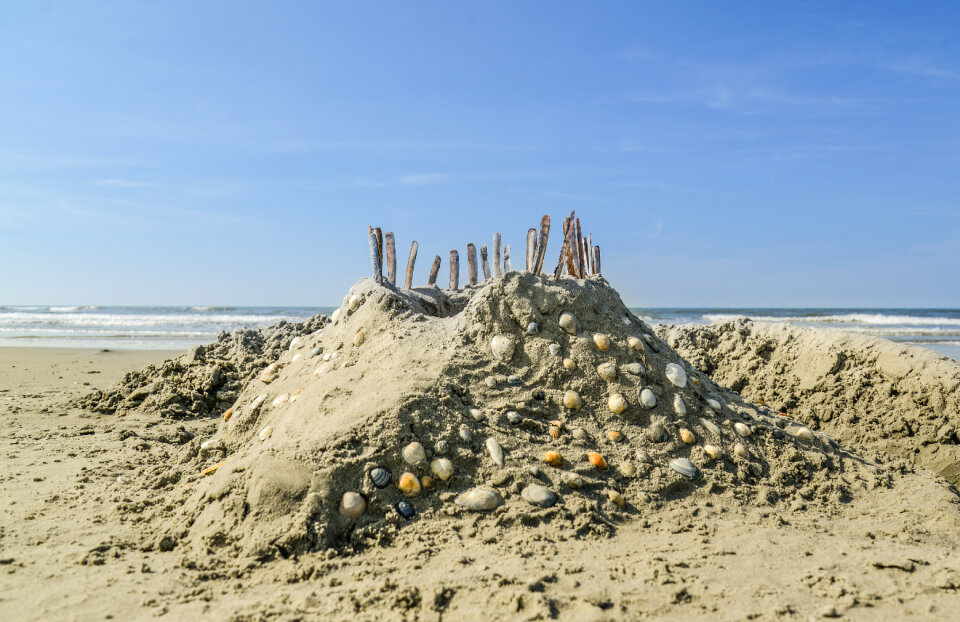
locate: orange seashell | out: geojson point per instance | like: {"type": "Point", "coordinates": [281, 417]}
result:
{"type": "Point", "coordinates": [211, 469]}
{"type": "Point", "coordinates": [615, 436]}
{"type": "Point", "coordinates": [554, 432]}
{"type": "Point", "coordinates": [409, 484]}
{"type": "Point", "coordinates": [597, 460]}
{"type": "Point", "coordinates": [687, 436]}
{"type": "Point", "coordinates": [553, 458]}
{"type": "Point", "coordinates": [228, 414]}
{"type": "Point", "coordinates": [427, 482]}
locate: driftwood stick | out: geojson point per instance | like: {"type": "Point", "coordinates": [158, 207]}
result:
{"type": "Point", "coordinates": [408, 283]}
{"type": "Point", "coordinates": [563, 250]}
{"type": "Point", "coordinates": [454, 270]}
{"type": "Point", "coordinates": [472, 263]}
{"type": "Point", "coordinates": [583, 264]}
{"type": "Point", "coordinates": [379, 233]}
{"type": "Point", "coordinates": [596, 260]}
{"type": "Point", "coordinates": [570, 236]}
{"type": "Point", "coordinates": [506, 259]}
{"type": "Point", "coordinates": [391, 257]}
{"type": "Point", "coordinates": [496, 255]}
{"type": "Point", "coordinates": [586, 257]}
{"type": "Point", "coordinates": [434, 271]}
{"type": "Point", "coordinates": [542, 243]}
{"type": "Point", "coordinates": [531, 248]}
{"type": "Point", "coordinates": [590, 253]}
{"type": "Point", "coordinates": [375, 257]}
{"type": "Point", "coordinates": [485, 263]}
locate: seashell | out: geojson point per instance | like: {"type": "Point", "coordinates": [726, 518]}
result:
{"type": "Point", "coordinates": [334, 355]}
{"type": "Point", "coordinates": [534, 470]}
{"type": "Point", "coordinates": [568, 322]}
{"type": "Point", "coordinates": [536, 494]}
{"type": "Point", "coordinates": [675, 375]}
{"type": "Point", "coordinates": [685, 467]}
{"type": "Point", "coordinates": [740, 451]}
{"type": "Point", "coordinates": [409, 484]}
{"type": "Point", "coordinates": [266, 432]}
{"type": "Point", "coordinates": [805, 433]}
{"type": "Point", "coordinates": [651, 342]}
{"type": "Point", "coordinates": [335, 316]}
{"type": "Point", "coordinates": [742, 429]}
{"type": "Point", "coordinates": [633, 368]}
{"type": "Point", "coordinates": [442, 468]}
{"type": "Point", "coordinates": [714, 404]}
{"type": "Point", "coordinates": [404, 509]}
{"type": "Point", "coordinates": [359, 338]}
{"type": "Point", "coordinates": [281, 399]}
{"type": "Point", "coordinates": [513, 417]}
{"type": "Point", "coordinates": [490, 381]}
{"type": "Point", "coordinates": [479, 499]}
{"type": "Point", "coordinates": [679, 406]}
{"type": "Point", "coordinates": [572, 400]}
{"type": "Point", "coordinates": [597, 460]}
{"type": "Point", "coordinates": [574, 481]}
{"type": "Point", "coordinates": [514, 380]}
{"type": "Point", "coordinates": [627, 469]}
{"type": "Point", "coordinates": [579, 434]}
{"type": "Point", "coordinates": [206, 443]}
{"type": "Point", "coordinates": [315, 351]}
{"type": "Point", "coordinates": [267, 378]}
{"type": "Point", "coordinates": [257, 402]}
{"type": "Point", "coordinates": [553, 458]}
{"type": "Point", "coordinates": [616, 498]}
{"type": "Point", "coordinates": [601, 341]}
{"type": "Point", "coordinates": [615, 436]}
{"type": "Point", "coordinates": [555, 349]}
{"type": "Point", "coordinates": [441, 447]}
{"type": "Point", "coordinates": [656, 432]}
{"type": "Point", "coordinates": [569, 365]}
{"type": "Point", "coordinates": [648, 399]}
{"type": "Point", "coordinates": [272, 368]}
{"type": "Point", "coordinates": [712, 427]}
{"type": "Point", "coordinates": [533, 328]}
{"type": "Point", "coordinates": [352, 505]}
{"type": "Point", "coordinates": [414, 453]}
{"type": "Point", "coordinates": [465, 433]}
{"type": "Point", "coordinates": [296, 357]}
{"type": "Point", "coordinates": [502, 347]}
{"type": "Point", "coordinates": [295, 343]}
{"type": "Point", "coordinates": [607, 371]}
{"type": "Point", "coordinates": [379, 477]}
{"type": "Point", "coordinates": [616, 404]}
{"type": "Point", "coordinates": [427, 483]}
{"type": "Point", "coordinates": [635, 343]}
{"type": "Point", "coordinates": [228, 414]}
{"type": "Point", "coordinates": [712, 450]}
{"type": "Point", "coordinates": [355, 301]}
{"type": "Point", "coordinates": [477, 414]}
{"type": "Point", "coordinates": [554, 432]}
{"type": "Point", "coordinates": [642, 457]}
{"type": "Point", "coordinates": [687, 436]}
{"type": "Point", "coordinates": [326, 357]}
{"type": "Point", "coordinates": [495, 450]}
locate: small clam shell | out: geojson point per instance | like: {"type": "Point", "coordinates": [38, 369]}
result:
{"type": "Point", "coordinates": [685, 467]}
{"type": "Point", "coordinates": [465, 433]}
{"type": "Point", "coordinates": [479, 499]}
{"type": "Point", "coordinates": [579, 434]}
{"type": "Point", "coordinates": [427, 483]}
{"type": "Point", "coordinates": [617, 404]}
{"type": "Point", "coordinates": [404, 509]}
{"type": "Point", "coordinates": [352, 505]}
{"type": "Point", "coordinates": [805, 433]}
{"type": "Point", "coordinates": [651, 342]}
{"type": "Point", "coordinates": [633, 368]}
{"type": "Point", "coordinates": [553, 458]}
{"type": "Point", "coordinates": [597, 460]}
{"type": "Point", "coordinates": [414, 454]}
{"type": "Point", "coordinates": [355, 301]}
{"type": "Point", "coordinates": [335, 316]}
{"type": "Point", "coordinates": [442, 468]}
{"type": "Point", "coordinates": [379, 476]}
{"type": "Point", "coordinates": [496, 452]}
{"type": "Point", "coordinates": [679, 406]}
{"type": "Point", "coordinates": [257, 402]}
{"type": "Point", "coordinates": [648, 399]}
{"type": "Point", "coordinates": [513, 417]}
{"type": "Point", "coordinates": [554, 432]}
{"type": "Point", "coordinates": [441, 447]}
{"type": "Point", "coordinates": [477, 414]}
{"type": "Point", "coordinates": [572, 400]}
{"type": "Point", "coordinates": [712, 450]}
{"type": "Point", "coordinates": [601, 341]}
{"type": "Point", "coordinates": [635, 343]}
{"type": "Point", "coordinates": [359, 338]}
{"type": "Point", "coordinates": [627, 469]}
{"type": "Point", "coordinates": [502, 346]}
{"type": "Point", "coordinates": [569, 365]}
{"type": "Point", "coordinates": [267, 378]}
{"type": "Point", "coordinates": [228, 414]}
{"type": "Point", "coordinates": [295, 343]}
{"type": "Point", "coordinates": [554, 349]}
{"type": "Point", "coordinates": [742, 429]}
{"type": "Point", "coordinates": [656, 432]}
{"type": "Point", "coordinates": [740, 451]}
{"type": "Point", "coordinates": [281, 399]}
{"type": "Point", "coordinates": [568, 322]}
{"type": "Point", "coordinates": [539, 495]}
{"type": "Point", "coordinates": [615, 435]}
{"type": "Point", "coordinates": [676, 375]}
{"type": "Point", "coordinates": [714, 404]}
{"type": "Point", "coordinates": [711, 427]}
{"type": "Point", "coordinates": [687, 436]}
{"type": "Point", "coordinates": [266, 433]}
{"type": "Point", "coordinates": [533, 328]}
{"type": "Point", "coordinates": [607, 371]}
{"type": "Point", "coordinates": [616, 498]}
{"type": "Point", "coordinates": [574, 481]}
{"type": "Point", "coordinates": [409, 484]}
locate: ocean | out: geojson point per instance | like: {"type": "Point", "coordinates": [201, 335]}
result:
{"type": "Point", "coordinates": [178, 328]}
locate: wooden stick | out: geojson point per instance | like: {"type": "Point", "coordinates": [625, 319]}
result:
{"type": "Point", "coordinates": [583, 264]}
{"type": "Point", "coordinates": [379, 233]}
{"type": "Point", "coordinates": [434, 271]}
{"type": "Point", "coordinates": [542, 243]}
{"type": "Point", "coordinates": [570, 239]}
{"type": "Point", "coordinates": [375, 257]}
{"type": "Point", "coordinates": [563, 250]}
{"type": "Point", "coordinates": [506, 259]}
{"type": "Point", "coordinates": [408, 283]}
{"type": "Point", "coordinates": [496, 255]}
{"type": "Point", "coordinates": [586, 257]}
{"type": "Point", "coordinates": [593, 270]}
{"type": "Point", "coordinates": [454, 270]}
{"type": "Point", "coordinates": [391, 257]}
{"type": "Point", "coordinates": [472, 263]}
{"type": "Point", "coordinates": [484, 263]}
{"type": "Point", "coordinates": [531, 248]}
{"type": "Point", "coordinates": [596, 259]}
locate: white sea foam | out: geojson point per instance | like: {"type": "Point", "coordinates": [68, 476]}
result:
{"type": "Point", "coordinates": [850, 318]}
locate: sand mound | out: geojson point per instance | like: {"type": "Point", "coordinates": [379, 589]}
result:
{"type": "Point", "coordinates": [867, 392]}
{"type": "Point", "coordinates": [204, 381]}
{"type": "Point", "coordinates": [410, 377]}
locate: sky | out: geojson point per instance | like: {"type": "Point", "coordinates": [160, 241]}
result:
{"type": "Point", "coordinates": [721, 154]}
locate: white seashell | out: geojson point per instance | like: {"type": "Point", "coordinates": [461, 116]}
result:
{"type": "Point", "coordinates": [711, 427]}
{"type": "Point", "coordinates": [568, 322]}
{"type": "Point", "coordinates": [496, 452]}
{"type": "Point", "coordinates": [315, 351]}
{"type": "Point", "coordinates": [355, 301]}
{"type": "Point", "coordinates": [281, 399]}
{"type": "Point", "coordinates": [296, 357]}
{"type": "Point", "coordinates": [326, 357]}
{"type": "Point", "coordinates": [805, 433]}
{"type": "Point", "coordinates": [477, 415]}
{"type": "Point", "coordinates": [740, 451]}
{"type": "Point", "coordinates": [633, 368]}
{"type": "Point", "coordinates": [572, 400]}
{"type": "Point", "coordinates": [266, 432]}
{"type": "Point", "coordinates": [679, 406]}
{"type": "Point", "coordinates": [442, 468]}
{"type": "Point", "coordinates": [648, 399]}
{"type": "Point", "coordinates": [206, 443]}
{"type": "Point", "coordinates": [335, 316]}
{"type": "Point", "coordinates": [569, 364]}
{"type": "Point", "coordinates": [539, 495]}
{"type": "Point", "coordinates": [635, 343]}
{"type": "Point", "coordinates": [465, 434]}
{"type": "Point", "coordinates": [714, 404]}
{"type": "Point", "coordinates": [607, 371]}
{"type": "Point", "coordinates": [533, 328]}
{"type": "Point", "coordinates": [295, 343]}
{"type": "Point", "coordinates": [414, 453]}
{"type": "Point", "coordinates": [617, 404]}
{"type": "Point", "coordinates": [742, 429]}
{"type": "Point", "coordinates": [352, 505]}
{"type": "Point", "coordinates": [574, 481]}
{"type": "Point", "coordinates": [685, 467]}
{"type": "Point", "coordinates": [334, 355]}
{"type": "Point", "coordinates": [479, 499]}
{"type": "Point", "coordinates": [502, 347]}
{"type": "Point", "coordinates": [712, 450]}
{"type": "Point", "coordinates": [513, 417]}
{"type": "Point", "coordinates": [675, 375]}
{"type": "Point", "coordinates": [257, 402]}
{"type": "Point", "coordinates": [555, 349]}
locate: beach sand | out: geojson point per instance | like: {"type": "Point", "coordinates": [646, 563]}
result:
{"type": "Point", "coordinates": [87, 495]}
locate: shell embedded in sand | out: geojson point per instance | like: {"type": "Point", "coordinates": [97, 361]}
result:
{"type": "Point", "coordinates": [296, 357]}
{"type": "Point", "coordinates": [569, 365]}
{"type": "Point", "coordinates": [315, 351]}
{"type": "Point", "coordinates": [555, 349]}
{"type": "Point", "coordinates": [553, 458]}
{"type": "Point", "coordinates": [740, 451]}
{"type": "Point", "coordinates": [257, 402]}
{"type": "Point", "coordinates": [496, 452]}
{"type": "Point", "coordinates": [711, 427]}
{"type": "Point", "coordinates": [651, 342]}
{"type": "Point", "coordinates": [352, 505]}
{"type": "Point", "coordinates": [568, 322]}
{"type": "Point", "coordinates": [648, 399]}
{"type": "Point", "coordinates": [616, 404]}
{"type": "Point", "coordinates": [635, 343]}
{"type": "Point", "coordinates": [675, 375]}
{"type": "Point", "coordinates": [502, 347]}
{"type": "Point", "coordinates": [554, 432]}
{"type": "Point", "coordinates": [656, 432]}
{"type": "Point", "coordinates": [742, 429]}
{"type": "Point", "coordinates": [335, 316]}
{"type": "Point", "coordinates": [714, 404]}
{"type": "Point", "coordinates": [479, 499]}
{"type": "Point", "coordinates": [513, 417]}
{"type": "Point", "coordinates": [679, 406]}
{"type": "Point", "coordinates": [685, 467]}
{"type": "Point", "coordinates": [687, 436]}
{"type": "Point", "coordinates": [574, 481]}
{"type": "Point", "coordinates": [442, 468]}
{"type": "Point", "coordinates": [414, 453]}
{"type": "Point", "coordinates": [409, 484]}
{"type": "Point", "coordinates": [295, 343]}
{"type": "Point", "coordinates": [601, 341]}
{"type": "Point", "coordinates": [379, 476]}
{"type": "Point", "coordinates": [359, 338]}
{"type": "Point", "coordinates": [538, 495]}
{"type": "Point", "coordinates": [615, 435]}
{"type": "Point", "coordinates": [633, 368]}
{"type": "Point", "coordinates": [712, 450]}
{"type": "Point", "coordinates": [227, 414]}
{"type": "Point", "coordinates": [465, 433]}
{"type": "Point", "coordinates": [404, 509]}
{"type": "Point", "coordinates": [616, 498]}
{"type": "Point", "coordinates": [266, 433]}
{"type": "Point", "coordinates": [597, 460]}
{"type": "Point", "coordinates": [805, 433]}
{"type": "Point", "coordinates": [281, 399]}
{"type": "Point", "coordinates": [490, 381]}
{"type": "Point", "coordinates": [607, 371]}
{"type": "Point", "coordinates": [477, 414]}
{"type": "Point", "coordinates": [427, 483]}
{"type": "Point", "coordinates": [572, 400]}
{"type": "Point", "coordinates": [355, 301]}
{"type": "Point", "coordinates": [627, 469]}
{"type": "Point", "coordinates": [533, 328]}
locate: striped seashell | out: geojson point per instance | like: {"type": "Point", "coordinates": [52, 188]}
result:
{"type": "Point", "coordinates": [379, 476]}
{"type": "Point", "coordinates": [352, 505]}
{"type": "Point", "coordinates": [414, 454]}
{"type": "Point", "coordinates": [405, 509]}
{"type": "Point", "coordinates": [651, 342]}
{"type": "Point", "coordinates": [409, 484]}
{"type": "Point", "coordinates": [554, 432]}
{"type": "Point", "coordinates": [685, 467]}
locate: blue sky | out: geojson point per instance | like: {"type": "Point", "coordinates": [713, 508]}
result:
{"type": "Point", "coordinates": [234, 153]}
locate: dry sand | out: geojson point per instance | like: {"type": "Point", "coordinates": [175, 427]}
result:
{"type": "Point", "coordinates": [107, 515]}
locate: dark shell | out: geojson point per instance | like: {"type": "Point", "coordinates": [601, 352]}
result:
{"type": "Point", "coordinates": [685, 467]}
{"type": "Point", "coordinates": [404, 509]}
{"type": "Point", "coordinates": [379, 476]}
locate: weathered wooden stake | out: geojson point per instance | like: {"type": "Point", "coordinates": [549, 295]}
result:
{"type": "Point", "coordinates": [583, 263]}
{"type": "Point", "coordinates": [408, 283]}
{"type": "Point", "coordinates": [484, 263]}
{"type": "Point", "coordinates": [596, 260]}
{"type": "Point", "coordinates": [593, 269]}
{"type": "Point", "coordinates": [472, 263]}
{"type": "Point", "coordinates": [563, 250]}
{"type": "Point", "coordinates": [496, 255]}
{"type": "Point", "coordinates": [375, 258]}
{"type": "Point", "coordinates": [531, 249]}
{"type": "Point", "coordinates": [391, 257]}
{"type": "Point", "coordinates": [506, 259]}
{"type": "Point", "coordinates": [542, 243]}
{"type": "Point", "coordinates": [379, 233]}
{"type": "Point", "coordinates": [434, 271]}
{"type": "Point", "coordinates": [570, 236]}
{"type": "Point", "coordinates": [454, 270]}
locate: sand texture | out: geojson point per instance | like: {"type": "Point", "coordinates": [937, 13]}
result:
{"type": "Point", "coordinates": [143, 513]}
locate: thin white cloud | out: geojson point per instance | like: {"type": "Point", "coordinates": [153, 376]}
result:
{"type": "Point", "coordinates": [427, 179]}
{"type": "Point", "coordinates": [120, 183]}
